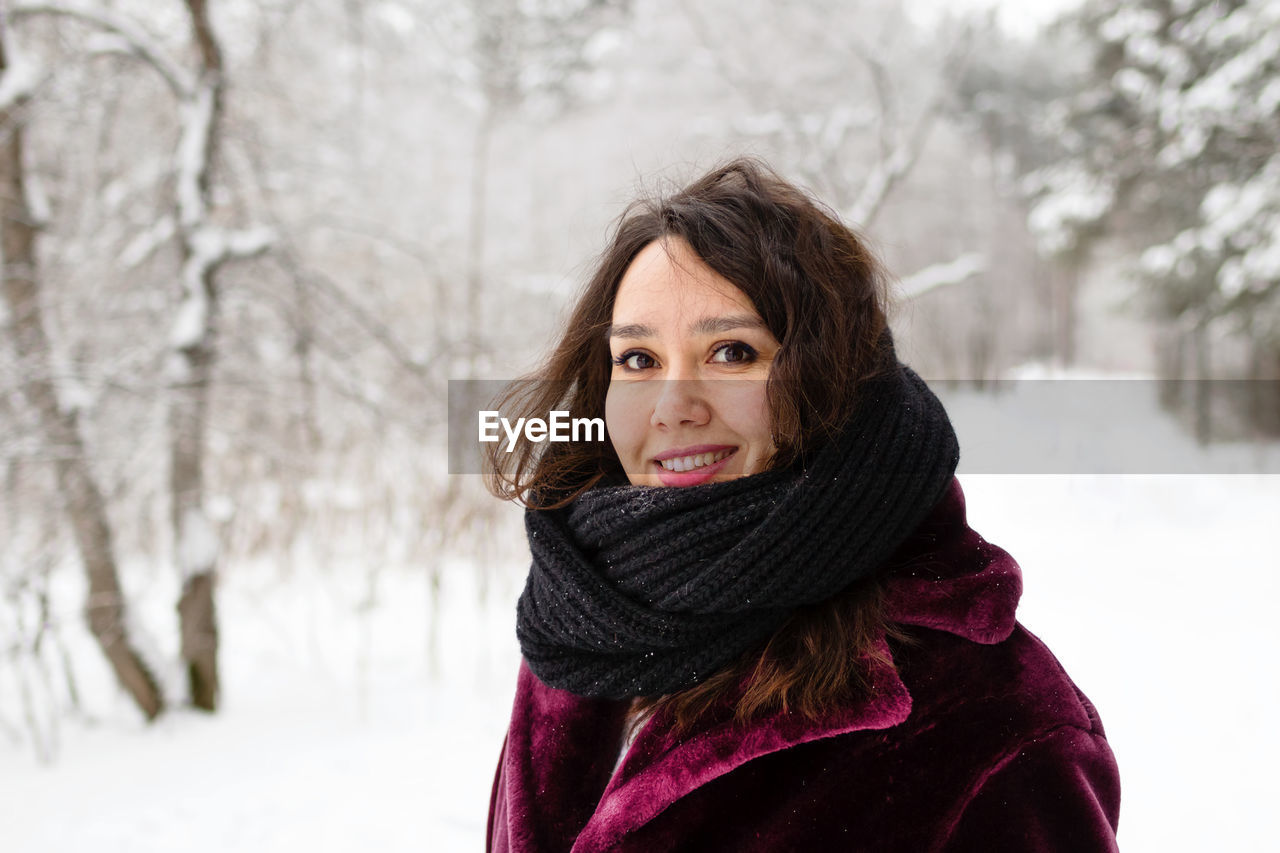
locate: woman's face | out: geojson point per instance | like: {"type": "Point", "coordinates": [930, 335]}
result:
{"type": "Point", "coordinates": [686, 401]}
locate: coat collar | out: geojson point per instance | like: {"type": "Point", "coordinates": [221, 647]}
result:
{"type": "Point", "coordinates": [561, 747]}
{"type": "Point", "coordinates": [948, 578]}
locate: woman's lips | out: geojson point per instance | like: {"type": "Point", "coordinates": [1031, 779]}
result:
{"type": "Point", "coordinates": [694, 476]}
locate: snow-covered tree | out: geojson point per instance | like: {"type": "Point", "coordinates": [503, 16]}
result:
{"type": "Point", "coordinates": [999, 96]}
{"type": "Point", "coordinates": [504, 57]}
{"type": "Point", "coordinates": [827, 84]}
{"type": "Point", "coordinates": [204, 246]}
{"type": "Point", "coordinates": [1170, 142]}
{"type": "Point", "coordinates": [57, 415]}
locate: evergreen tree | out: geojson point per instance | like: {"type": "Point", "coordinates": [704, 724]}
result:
{"type": "Point", "coordinates": [1170, 142]}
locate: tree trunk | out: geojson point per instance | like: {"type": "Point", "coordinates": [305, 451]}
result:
{"type": "Point", "coordinates": [1202, 401]}
{"type": "Point", "coordinates": [1067, 280]}
{"type": "Point", "coordinates": [1263, 385]}
{"type": "Point", "coordinates": [82, 500]}
{"type": "Point", "coordinates": [479, 193]}
{"type": "Point", "coordinates": [1170, 360]}
{"type": "Point", "coordinates": [192, 366]}
{"type": "Point", "coordinates": [193, 537]}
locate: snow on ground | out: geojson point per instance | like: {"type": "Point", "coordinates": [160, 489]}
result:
{"type": "Point", "coordinates": [1156, 592]}
{"type": "Point", "coordinates": [312, 750]}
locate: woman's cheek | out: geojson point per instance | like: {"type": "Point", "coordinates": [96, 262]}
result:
{"type": "Point", "coordinates": [744, 406]}
{"type": "Point", "coordinates": [625, 423]}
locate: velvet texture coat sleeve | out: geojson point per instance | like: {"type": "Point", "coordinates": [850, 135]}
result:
{"type": "Point", "coordinates": [976, 739]}
{"type": "Point", "coordinates": [1057, 792]}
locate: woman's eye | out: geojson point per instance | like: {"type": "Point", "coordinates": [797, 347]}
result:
{"type": "Point", "coordinates": [634, 360]}
{"type": "Point", "coordinates": [734, 353]}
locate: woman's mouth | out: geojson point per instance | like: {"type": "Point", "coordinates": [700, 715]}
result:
{"type": "Point", "coordinates": [690, 469]}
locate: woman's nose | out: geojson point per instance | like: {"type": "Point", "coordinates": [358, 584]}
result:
{"type": "Point", "coordinates": [680, 402]}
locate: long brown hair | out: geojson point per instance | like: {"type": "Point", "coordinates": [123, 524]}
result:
{"type": "Point", "coordinates": [822, 293]}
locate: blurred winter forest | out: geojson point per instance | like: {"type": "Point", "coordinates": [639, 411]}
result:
{"type": "Point", "coordinates": [246, 244]}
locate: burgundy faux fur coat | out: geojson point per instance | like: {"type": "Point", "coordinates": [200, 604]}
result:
{"type": "Point", "coordinates": [979, 741]}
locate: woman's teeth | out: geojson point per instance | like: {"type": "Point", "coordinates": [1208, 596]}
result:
{"type": "Point", "coordinates": [688, 463]}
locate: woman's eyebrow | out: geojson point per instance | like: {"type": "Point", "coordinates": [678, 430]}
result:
{"type": "Point", "coordinates": [714, 325]}
{"type": "Point", "coordinates": [704, 326]}
{"type": "Point", "coordinates": [630, 330]}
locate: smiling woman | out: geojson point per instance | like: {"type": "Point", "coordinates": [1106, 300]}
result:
{"type": "Point", "coordinates": [756, 618]}
{"type": "Point", "coordinates": [679, 329]}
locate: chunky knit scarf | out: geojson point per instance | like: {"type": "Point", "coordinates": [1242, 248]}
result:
{"type": "Point", "coordinates": [643, 590]}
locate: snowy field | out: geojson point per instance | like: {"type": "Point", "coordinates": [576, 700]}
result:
{"type": "Point", "coordinates": [338, 733]}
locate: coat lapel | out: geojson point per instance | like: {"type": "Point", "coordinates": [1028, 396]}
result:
{"type": "Point", "coordinates": [659, 770]}
{"type": "Point", "coordinates": [560, 751]}
{"type": "Point", "coordinates": [948, 578]}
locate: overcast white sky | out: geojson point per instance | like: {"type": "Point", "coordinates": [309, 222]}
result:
{"type": "Point", "coordinates": [1018, 16]}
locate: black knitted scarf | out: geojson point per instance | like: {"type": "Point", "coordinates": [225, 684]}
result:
{"type": "Point", "coordinates": [644, 590]}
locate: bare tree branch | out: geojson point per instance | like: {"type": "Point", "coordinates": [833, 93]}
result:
{"type": "Point", "coordinates": [888, 171]}
{"type": "Point", "coordinates": [901, 158]}
{"type": "Point", "coordinates": [935, 276]}
{"type": "Point", "coordinates": [293, 265]}
{"type": "Point", "coordinates": [181, 83]}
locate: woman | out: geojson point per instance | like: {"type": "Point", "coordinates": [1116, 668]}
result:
{"type": "Point", "coordinates": [756, 618]}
